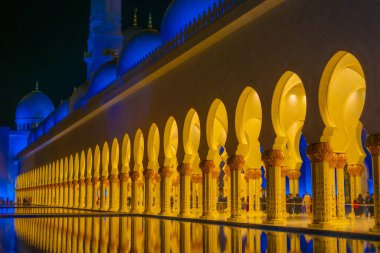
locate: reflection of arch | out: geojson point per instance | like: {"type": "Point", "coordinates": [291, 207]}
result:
{"type": "Point", "coordinates": [191, 139]}
{"type": "Point", "coordinates": [153, 147]}
{"type": "Point", "coordinates": [89, 164]}
{"type": "Point", "coordinates": [138, 150]}
{"type": "Point", "coordinates": [288, 117]}
{"type": "Point", "coordinates": [82, 165]}
{"type": "Point", "coordinates": [171, 142]}
{"type": "Point", "coordinates": [97, 162]}
{"type": "Point", "coordinates": [105, 159]}
{"type": "Point", "coordinates": [115, 156]}
{"type": "Point", "coordinates": [341, 102]}
{"type": "Point", "coordinates": [248, 121]}
{"type": "Point", "coordinates": [216, 130]}
{"type": "Point", "coordinates": [126, 153]}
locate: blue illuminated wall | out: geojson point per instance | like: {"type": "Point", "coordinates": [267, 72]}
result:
{"type": "Point", "coordinates": [4, 152]}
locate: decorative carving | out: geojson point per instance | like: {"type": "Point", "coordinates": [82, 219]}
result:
{"type": "Point", "coordinates": [319, 152]}
{"type": "Point", "coordinates": [184, 169]}
{"type": "Point", "coordinates": [294, 174]}
{"type": "Point", "coordinates": [333, 160]}
{"type": "Point", "coordinates": [253, 173]}
{"type": "Point", "coordinates": [148, 174]}
{"type": "Point", "coordinates": [207, 166]}
{"type": "Point", "coordinates": [123, 177]}
{"type": "Point", "coordinates": [165, 171]}
{"type": "Point", "coordinates": [341, 161]}
{"type": "Point", "coordinates": [88, 181]}
{"type": "Point", "coordinates": [134, 175]}
{"type": "Point", "coordinates": [114, 178]}
{"type": "Point", "coordinates": [273, 158]}
{"type": "Point", "coordinates": [373, 144]}
{"type": "Point", "coordinates": [355, 169]}
{"type": "Point", "coordinates": [284, 171]}
{"type": "Point", "coordinates": [235, 162]}
{"type": "Point", "coordinates": [196, 178]}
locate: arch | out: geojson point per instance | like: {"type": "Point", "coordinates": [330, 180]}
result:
{"type": "Point", "coordinates": [191, 139]}
{"type": "Point", "coordinates": [341, 100]}
{"type": "Point", "coordinates": [115, 156]}
{"type": "Point", "coordinates": [76, 167]}
{"type": "Point", "coordinates": [66, 170]}
{"type": "Point", "coordinates": [61, 168]}
{"type": "Point", "coordinates": [138, 150]}
{"type": "Point", "coordinates": [71, 168]}
{"type": "Point", "coordinates": [171, 142]}
{"type": "Point", "coordinates": [89, 164]}
{"type": "Point", "coordinates": [153, 147]}
{"type": "Point", "coordinates": [125, 154]}
{"type": "Point", "coordinates": [248, 120]}
{"type": "Point", "coordinates": [288, 117]}
{"type": "Point", "coordinates": [105, 159]}
{"type": "Point", "coordinates": [216, 130]}
{"type": "Point", "coordinates": [82, 165]}
{"type": "Point", "coordinates": [56, 171]}
{"type": "Point", "coordinates": [97, 162]}
{"type": "Point", "coordinates": [52, 173]}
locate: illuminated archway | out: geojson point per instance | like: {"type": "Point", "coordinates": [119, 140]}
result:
{"type": "Point", "coordinates": [115, 189]}
{"type": "Point", "coordinates": [136, 174]}
{"type": "Point", "coordinates": [96, 176]}
{"type": "Point", "coordinates": [104, 183]}
{"type": "Point", "coordinates": [66, 182]}
{"type": "Point", "coordinates": [89, 187]}
{"type": "Point", "coordinates": [124, 174]}
{"type": "Point", "coordinates": [82, 185]}
{"type": "Point", "coordinates": [153, 147]}
{"type": "Point", "coordinates": [152, 192]}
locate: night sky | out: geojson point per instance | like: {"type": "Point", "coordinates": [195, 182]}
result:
{"type": "Point", "coordinates": [44, 40]}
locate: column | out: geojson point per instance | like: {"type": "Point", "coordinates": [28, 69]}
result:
{"type": "Point", "coordinates": [104, 193]}
{"type": "Point", "coordinates": [340, 199]}
{"type": "Point", "coordinates": [294, 176]}
{"type": "Point", "coordinates": [95, 193]}
{"type": "Point", "coordinates": [184, 171]}
{"type": "Point", "coordinates": [273, 160]}
{"type": "Point", "coordinates": [332, 164]}
{"type": "Point", "coordinates": [284, 171]}
{"type": "Point", "coordinates": [235, 163]}
{"type": "Point", "coordinates": [227, 188]}
{"type": "Point", "coordinates": [207, 166]}
{"type": "Point", "coordinates": [115, 193]}
{"type": "Point", "coordinates": [123, 177]}
{"type": "Point", "coordinates": [76, 194]}
{"type": "Point", "coordinates": [165, 173]}
{"type": "Point", "coordinates": [319, 155]}
{"type": "Point", "coordinates": [253, 178]}
{"type": "Point", "coordinates": [89, 197]}
{"type": "Point", "coordinates": [148, 176]}
{"type": "Point", "coordinates": [373, 145]}
{"type": "Point", "coordinates": [134, 175]}
{"type": "Point", "coordinates": [61, 192]}
{"type": "Point", "coordinates": [82, 193]}
{"type": "Point", "coordinates": [65, 194]}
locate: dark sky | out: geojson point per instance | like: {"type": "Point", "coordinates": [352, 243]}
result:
{"type": "Point", "coordinates": [44, 40]}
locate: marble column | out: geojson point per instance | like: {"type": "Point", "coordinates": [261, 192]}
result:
{"type": "Point", "coordinates": [253, 178]}
{"type": "Point", "coordinates": [123, 177]}
{"type": "Point", "coordinates": [340, 199]}
{"type": "Point", "coordinates": [165, 173]}
{"type": "Point", "coordinates": [61, 192]}
{"type": "Point", "coordinates": [332, 165]}
{"type": "Point", "coordinates": [148, 177]}
{"type": "Point", "coordinates": [235, 163]}
{"type": "Point", "coordinates": [319, 155]}
{"type": "Point", "coordinates": [284, 172]}
{"type": "Point", "coordinates": [373, 145]}
{"type": "Point", "coordinates": [82, 193]}
{"type": "Point", "coordinates": [207, 167]}
{"type": "Point", "coordinates": [134, 175]}
{"type": "Point", "coordinates": [294, 176]}
{"type": "Point", "coordinates": [76, 194]}
{"type": "Point", "coordinates": [95, 193]}
{"type": "Point", "coordinates": [89, 192]}
{"type": "Point", "coordinates": [115, 193]}
{"type": "Point", "coordinates": [184, 171]}
{"type": "Point", "coordinates": [273, 160]}
{"type": "Point", "coordinates": [71, 194]}
{"type": "Point", "coordinates": [65, 194]}
{"type": "Point", "coordinates": [104, 193]}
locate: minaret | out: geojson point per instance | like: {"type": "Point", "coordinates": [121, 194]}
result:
{"type": "Point", "coordinates": [105, 34]}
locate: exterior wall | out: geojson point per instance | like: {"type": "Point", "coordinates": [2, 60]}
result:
{"type": "Point", "coordinates": [300, 36]}
{"type": "Point", "coordinates": [4, 157]}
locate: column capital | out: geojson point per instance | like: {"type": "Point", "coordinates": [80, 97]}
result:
{"type": "Point", "coordinates": [165, 171]}
{"type": "Point", "coordinates": [88, 181]}
{"type": "Point", "coordinates": [373, 144]}
{"type": "Point", "coordinates": [294, 174]}
{"type": "Point", "coordinates": [184, 169]}
{"type": "Point", "coordinates": [104, 179]}
{"type": "Point", "coordinates": [95, 180]}
{"type": "Point", "coordinates": [319, 152]}
{"type": "Point", "coordinates": [253, 173]}
{"type": "Point", "coordinates": [114, 178]}
{"type": "Point", "coordinates": [134, 175]}
{"type": "Point", "coordinates": [207, 166]}
{"type": "Point", "coordinates": [333, 161]}
{"type": "Point", "coordinates": [341, 161]}
{"type": "Point", "coordinates": [273, 158]}
{"type": "Point", "coordinates": [196, 178]}
{"type": "Point", "coordinates": [355, 169]}
{"type": "Point", "coordinates": [235, 162]}
{"type": "Point", "coordinates": [284, 171]}
{"type": "Point", "coordinates": [123, 177]}
{"type": "Point", "coordinates": [148, 174]}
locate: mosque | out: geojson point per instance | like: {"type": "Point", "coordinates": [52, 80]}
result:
{"type": "Point", "coordinates": [232, 100]}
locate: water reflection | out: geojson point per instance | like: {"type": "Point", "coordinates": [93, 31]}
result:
{"type": "Point", "coordinates": [126, 234]}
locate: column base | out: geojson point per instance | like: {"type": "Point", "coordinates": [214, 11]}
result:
{"type": "Point", "coordinates": [208, 217]}
{"type": "Point", "coordinates": [82, 207]}
{"type": "Point", "coordinates": [165, 214]}
{"type": "Point", "coordinates": [321, 225]}
{"type": "Point", "coordinates": [123, 210]}
{"type": "Point", "coordinates": [149, 212]}
{"type": "Point", "coordinates": [239, 218]}
{"type": "Point", "coordinates": [185, 215]}
{"type": "Point", "coordinates": [113, 209]}
{"type": "Point", "coordinates": [135, 211]}
{"type": "Point", "coordinates": [275, 222]}
{"type": "Point", "coordinates": [375, 230]}
{"type": "Point", "coordinates": [341, 221]}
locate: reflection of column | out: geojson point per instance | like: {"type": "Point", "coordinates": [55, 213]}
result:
{"type": "Point", "coordinates": [104, 236]}
{"type": "Point", "coordinates": [273, 161]}
{"type": "Point", "coordinates": [123, 177]}
{"type": "Point", "coordinates": [207, 167]}
{"type": "Point", "coordinates": [342, 245]}
{"type": "Point", "coordinates": [184, 171]}
{"type": "Point", "coordinates": [235, 163]}
{"type": "Point", "coordinates": [210, 233]}
{"type": "Point", "coordinates": [114, 235]}
{"type": "Point", "coordinates": [69, 234]}
{"type": "Point", "coordinates": [340, 199]}
{"type": "Point", "coordinates": [324, 244]}
{"type": "Point", "coordinates": [295, 245]}
{"type": "Point", "coordinates": [95, 234]}
{"type": "Point", "coordinates": [185, 237]}
{"type": "Point", "coordinates": [74, 240]}
{"type": "Point", "coordinates": [115, 193]}
{"type": "Point", "coordinates": [88, 234]}
{"type": "Point", "coordinates": [277, 242]}
{"type": "Point", "coordinates": [165, 231]}
{"type": "Point", "coordinates": [104, 193]}
{"type": "Point", "coordinates": [89, 193]}
{"type": "Point", "coordinates": [134, 175]}
{"type": "Point", "coordinates": [125, 234]}
{"type": "Point", "coordinates": [81, 231]}
{"type": "Point", "coordinates": [82, 194]}
{"type": "Point", "coordinates": [165, 173]}
{"type": "Point", "coordinates": [65, 194]}
{"type": "Point", "coordinates": [95, 193]}
{"type": "Point", "coordinates": [149, 177]}
{"type": "Point", "coordinates": [373, 145]}
{"type": "Point", "coordinates": [319, 155]}
{"type": "Point", "coordinates": [236, 240]}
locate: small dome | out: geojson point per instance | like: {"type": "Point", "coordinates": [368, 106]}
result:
{"type": "Point", "coordinates": [32, 109]}
{"type": "Point", "coordinates": [129, 33]}
{"type": "Point", "coordinates": [181, 13]}
{"type": "Point", "coordinates": [138, 47]}
{"type": "Point", "coordinates": [79, 97]}
{"type": "Point", "coordinates": [103, 77]}
{"type": "Point", "coordinates": [62, 111]}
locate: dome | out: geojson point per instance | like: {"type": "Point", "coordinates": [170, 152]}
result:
{"type": "Point", "coordinates": [138, 47]}
{"type": "Point", "coordinates": [32, 109]}
{"type": "Point", "coordinates": [103, 77]}
{"type": "Point", "coordinates": [61, 112]}
{"type": "Point", "coordinates": [181, 13]}
{"type": "Point", "coordinates": [79, 97]}
{"type": "Point", "coordinates": [129, 33]}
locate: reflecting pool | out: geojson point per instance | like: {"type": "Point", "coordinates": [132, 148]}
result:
{"type": "Point", "coordinates": [137, 234]}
